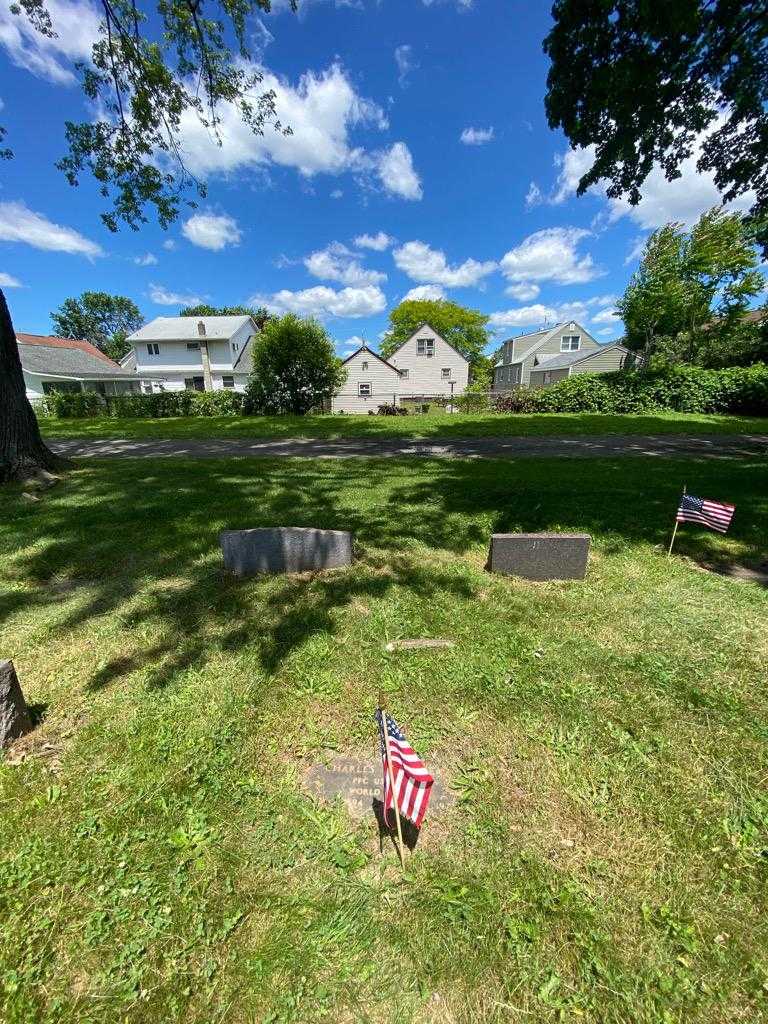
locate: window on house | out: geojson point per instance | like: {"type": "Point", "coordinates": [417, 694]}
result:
{"type": "Point", "coordinates": [425, 346]}
{"type": "Point", "coordinates": [227, 382]}
{"type": "Point", "coordinates": [404, 374]}
{"type": "Point", "coordinates": [570, 343]}
{"type": "Point", "coordinates": [194, 384]}
{"type": "Point", "coordinates": [51, 387]}
{"type": "Point", "coordinates": [445, 373]}
{"type": "Point", "coordinates": [364, 390]}
{"type": "Point", "coordinates": [193, 346]}
{"type": "Point", "coordinates": [364, 366]}
{"type": "Point", "coordinates": [153, 348]}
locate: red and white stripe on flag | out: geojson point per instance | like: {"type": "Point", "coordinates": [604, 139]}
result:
{"type": "Point", "coordinates": [413, 783]}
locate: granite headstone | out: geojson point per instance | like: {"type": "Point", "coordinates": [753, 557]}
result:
{"type": "Point", "coordinates": [284, 549]}
{"type": "Point", "coordinates": [540, 556]}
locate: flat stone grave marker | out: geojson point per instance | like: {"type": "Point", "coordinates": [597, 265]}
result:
{"type": "Point", "coordinates": [358, 781]}
{"type": "Point", "coordinates": [540, 556]}
{"type": "Point", "coordinates": [284, 549]}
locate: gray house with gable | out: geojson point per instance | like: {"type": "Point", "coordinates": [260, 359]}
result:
{"type": "Point", "coordinates": [544, 357]}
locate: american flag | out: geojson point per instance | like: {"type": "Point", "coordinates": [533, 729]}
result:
{"type": "Point", "coordinates": [716, 515]}
{"type": "Point", "coordinates": [413, 783]}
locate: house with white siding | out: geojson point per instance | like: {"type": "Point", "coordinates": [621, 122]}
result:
{"type": "Point", "coordinates": [424, 367]}
{"type": "Point", "coordinates": [197, 353]}
{"type": "Point", "coordinates": [70, 364]}
{"type": "Point", "coordinates": [544, 357]}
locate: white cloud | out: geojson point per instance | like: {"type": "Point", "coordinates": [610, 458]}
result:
{"type": "Point", "coordinates": [351, 344]}
{"type": "Point", "coordinates": [169, 244]}
{"type": "Point", "coordinates": [605, 332]}
{"type": "Point", "coordinates": [147, 260]}
{"type": "Point", "coordinates": [523, 316]}
{"type": "Point", "coordinates": [337, 194]}
{"type": "Point", "coordinates": [397, 173]}
{"type": "Point", "coordinates": [322, 301]}
{"type": "Point", "coordinates": [533, 196]}
{"type": "Point", "coordinates": [405, 63]}
{"type": "Point", "coordinates": [606, 316]}
{"type": "Point", "coordinates": [162, 297]}
{"type": "Point", "coordinates": [683, 199]}
{"type": "Point", "coordinates": [337, 263]}
{"type": "Point", "coordinates": [76, 25]}
{"type": "Point", "coordinates": [378, 242]}
{"type": "Point", "coordinates": [421, 263]}
{"type": "Point", "coordinates": [462, 5]}
{"type": "Point", "coordinates": [430, 292]}
{"type": "Point", "coordinates": [321, 111]}
{"type": "Point", "coordinates": [20, 224]}
{"type": "Point", "coordinates": [550, 255]}
{"type": "Point", "coordinates": [9, 281]}
{"type": "Point", "coordinates": [476, 136]}
{"type": "Point", "coordinates": [212, 231]}
{"type": "Point", "coordinates": [523, 292]}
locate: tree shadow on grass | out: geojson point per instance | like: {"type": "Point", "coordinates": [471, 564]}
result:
{"type": "Point", "coordinates": [140, 540]}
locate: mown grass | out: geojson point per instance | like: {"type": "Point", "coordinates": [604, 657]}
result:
{"type": "Point", "coordinates": [430, 425]}
{"type": "Point", "coordinates": [608, 740]}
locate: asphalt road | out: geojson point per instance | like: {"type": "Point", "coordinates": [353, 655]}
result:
{"type": "Point", "coordinates": [712, 446]}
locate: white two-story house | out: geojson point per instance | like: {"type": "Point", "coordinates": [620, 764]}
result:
{"type": "Point", "coordinates": [206, 353]}
{"type": "Point", "coordinates": [543, 357]}
{"type": "Point", "coordinates": [424, 367]}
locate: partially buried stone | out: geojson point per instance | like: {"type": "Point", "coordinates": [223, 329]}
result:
{"type": "Point", "coordinates": [359, 782]}
{"type": "Point", "coordinates": [15, 719]}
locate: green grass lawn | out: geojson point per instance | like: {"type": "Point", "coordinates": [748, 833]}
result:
{"type": "Point", "coordinates": [608, 858]}
{"type": "Point", "coordinates": [437, 425]}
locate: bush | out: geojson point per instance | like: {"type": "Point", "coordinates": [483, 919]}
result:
{"type": "Point", "coordinates": [69, 405]}
{"type": "Point", "coordinates": [740, 390]}
{"type": "Point", "coordinates": [176, 403]}
{"type": "Point", "coordinates": [392, 410]}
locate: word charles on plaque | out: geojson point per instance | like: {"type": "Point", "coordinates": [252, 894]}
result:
{"type": "Point", "coordinates": [359, 782]}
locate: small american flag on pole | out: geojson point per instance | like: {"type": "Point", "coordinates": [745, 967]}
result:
{"type": "Point", "coordinates": [716, 515]}
{"type": "Point", "coordinates": [412, 781]}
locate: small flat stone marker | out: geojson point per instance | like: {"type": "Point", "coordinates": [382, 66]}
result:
{"type": "Point", "coordinates": [15, 719]}
{"type": "Point", "coordinates": [540, 556]}
{"type": "Point", "coordinates": [358, 782]}
{"type": "Point", "coordinates": [284, 549]}
{"type": "Point", "coordinates": [416, 645]}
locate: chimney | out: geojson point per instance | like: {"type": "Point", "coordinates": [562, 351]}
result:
{"type": "Point", "coordinates": [201, 328]}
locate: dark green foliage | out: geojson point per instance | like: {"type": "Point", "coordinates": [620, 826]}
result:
{"type": "Point", "coordinates": [641, 81]}
{"type": "Point", "coordinates": [158, 406]}
{"type": "Point", "coordinates": [257, 313]}
{"type": "Point", "coordinates": [678, 389]}
{"type": "Point", "coordinates": [295, 368]}
{"type": "Point", "coordinates": [103, 319]}
{"type": "Point", "coordinates": [70, 405]}
{"type": "Point", "coordinates": [461, 327]}
{"type": "Point", "coordinates": [392, 410]}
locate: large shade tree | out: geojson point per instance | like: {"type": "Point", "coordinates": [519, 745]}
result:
{"type": "Point", "coordinates": [104, 320]}
{"type": "Point", "coordinates": [643, 83]}
{"type": "Point", "coordinates": [153, 65]}
{"type": "Point", "coordinates": [689, 298]}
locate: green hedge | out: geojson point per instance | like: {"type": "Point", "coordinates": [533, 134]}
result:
{"type": "Point", "coordinates": [737, 389]}
{"type": "Point", "coordinates": [134, 406]}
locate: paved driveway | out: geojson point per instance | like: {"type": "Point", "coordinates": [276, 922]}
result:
{"type": "Point", "coordinates": [704, 446]}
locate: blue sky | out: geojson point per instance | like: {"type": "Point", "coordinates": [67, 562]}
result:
{"type": "Point", "coordinates": [420, 159]}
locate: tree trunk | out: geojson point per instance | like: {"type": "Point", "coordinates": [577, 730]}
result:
{"type": "Point", "coordinates": [22, 452]}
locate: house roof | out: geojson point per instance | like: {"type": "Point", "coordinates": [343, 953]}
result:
{"type": "Point", "coordinates": [67, 357]}
{"type": "Point", "coordinates": [246, 348]}
{"type": "Point", "coordinates": [559, 362]}
{"type": "Point", "coordinates": [370, 352]}
{"type": "Point", "coordinates": [184, 328]}
{"type": "Point", "coordinates": [427, 324]}
{"type": "Point", "coordinates": [537, 338]}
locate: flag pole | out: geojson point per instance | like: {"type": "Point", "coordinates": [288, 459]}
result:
{"type": "Point", "coordinates": [391, 784]}
{"type": "Point", "coordinates": [674, 532]}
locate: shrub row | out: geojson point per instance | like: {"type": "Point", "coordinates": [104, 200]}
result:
{"type": "Point", "coordinates": [737, 389]}
{"type": "Point", "coordinates": [65, 405]}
